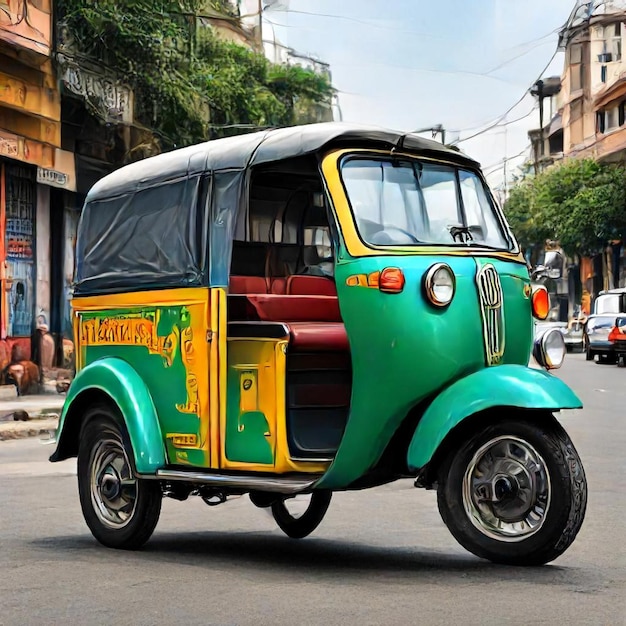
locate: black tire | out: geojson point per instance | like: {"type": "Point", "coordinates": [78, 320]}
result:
{"type": "Point", "coordinates": [104, 448]}
{"type": "Point", "coordinates": [606, 359]}
{"type": "Point", "coordinates": [621, 360]}
{"type": "Point", "coordinates": [300, 527]}
{"type": "Point", "coordinates": [556, 524]}
{"type": "Point", "coordinates": [588, 351]}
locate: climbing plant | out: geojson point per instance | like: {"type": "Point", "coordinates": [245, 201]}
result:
{"type": "Point", "coordinates": [189, 84]}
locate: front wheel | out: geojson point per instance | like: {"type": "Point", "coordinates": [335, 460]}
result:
{"type": "Point", "coordinates": [515, 493]}
{"type": "Point", "coordinates": [299, 516]}
{"type": "Point", "coordinates": [121, 510]}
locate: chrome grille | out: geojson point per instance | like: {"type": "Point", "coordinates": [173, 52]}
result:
{"type": "Point", "coordinates": [491, 309]}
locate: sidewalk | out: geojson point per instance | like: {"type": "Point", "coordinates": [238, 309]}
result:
{"type": "Point", "coordinates": [43, 411]}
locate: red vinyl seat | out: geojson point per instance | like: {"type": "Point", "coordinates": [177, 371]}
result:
{"type": "Point", "coordinates": [318, 336]}
{"type": "Point", "coordinates": [280, 308]}
{"type": "Point", "coordinates": [307, 305]}
{"type": "Point", "coordinates": [279, 286]}
{"type": "Point", "coordinates": [247, 284]}
{"type": "Point", "coordinates": [302, 285]}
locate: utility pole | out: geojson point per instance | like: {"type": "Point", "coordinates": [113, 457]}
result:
{"type": "Point", "coordinates": [434, 129]}
{"type": "Point", "coordinates": [260, 11]}
{"type": "Point", "coordinates": [537, 90]}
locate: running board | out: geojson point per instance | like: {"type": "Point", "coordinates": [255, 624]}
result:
{"type": "Point", "coordinates": [287, 485]}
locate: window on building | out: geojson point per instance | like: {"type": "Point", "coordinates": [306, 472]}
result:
{"type": "Point", "coordinates": [556, 142]}
{"type": "Point", "coordinates": [612, 36]}
{"type": "Point", "coordinates": [576, 54]}
{"type": "Point", "coordinates": [612, 118]}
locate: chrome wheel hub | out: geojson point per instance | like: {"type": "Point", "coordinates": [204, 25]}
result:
{"type": "Point", "coordinates": [113, 487]}
{"type": "Point", "coordinates": [506, 489]}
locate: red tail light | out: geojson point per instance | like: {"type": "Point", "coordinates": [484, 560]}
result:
{"type": "Point", "coordinates": [391, 280]}
{"type": "Point", "coordinates": [614, 334]}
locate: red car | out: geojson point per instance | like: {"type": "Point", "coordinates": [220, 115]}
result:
{"type": "Point", "coordinates": [617, 337]}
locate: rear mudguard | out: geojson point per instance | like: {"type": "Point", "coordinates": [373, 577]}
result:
{"type": "Point", "coordinates": [124, 387]}
{"type": "Point", "coordinates": [514, 386]}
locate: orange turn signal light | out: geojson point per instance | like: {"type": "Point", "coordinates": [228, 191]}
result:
{"type": "Point", "coordinates": [540, 302]}
{"type": "Point", "coordinates": [391, 280]}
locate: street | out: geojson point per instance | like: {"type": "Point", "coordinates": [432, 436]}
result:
{"type": "Point", "coordinates": [380, 557]}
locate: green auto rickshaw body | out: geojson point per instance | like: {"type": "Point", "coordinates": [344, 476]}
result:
{"type": "Point", "coordinates": [407, 354]}
{"type": "Point", "coordinates": [417, 369]}
{"type": "Point", "coordinates": [114, 379]}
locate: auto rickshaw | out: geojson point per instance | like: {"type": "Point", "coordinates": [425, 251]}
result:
{"type": "Point", "coordinates": [306, 310]}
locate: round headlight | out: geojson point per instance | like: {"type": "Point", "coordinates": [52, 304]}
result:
{"type": "Point", "coordinates": [550, 349]}
{"type": "Point", "coordinates": [439, 284]}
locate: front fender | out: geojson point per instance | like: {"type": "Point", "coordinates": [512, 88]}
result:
{"type": "Point", "coordinates": [121, 383]}
{"type": "Point", "coordinates": [505, 385]}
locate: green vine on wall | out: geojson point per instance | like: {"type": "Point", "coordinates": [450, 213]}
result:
{"type": "Point", "coordinates": [189, 84]}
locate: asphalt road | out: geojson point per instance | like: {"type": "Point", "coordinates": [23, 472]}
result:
{"type": "Point", "coordinates": [380, 557]}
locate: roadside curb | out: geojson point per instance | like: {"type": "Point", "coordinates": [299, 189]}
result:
{"type": "Point", "coordinates": [32, 428]}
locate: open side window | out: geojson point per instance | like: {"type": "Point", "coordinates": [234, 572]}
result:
{"type": "Point", "coordinates": [287, 226]}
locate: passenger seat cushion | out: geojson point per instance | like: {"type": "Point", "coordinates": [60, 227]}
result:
{"type": "Point", "coordinates": [298, 285]}
{"type": "Point", "coordinates": [247, 284]}
{"type": "Point", "coordinates": [278, 308]}
{"type": "Point", "coordinates": [279, 286]}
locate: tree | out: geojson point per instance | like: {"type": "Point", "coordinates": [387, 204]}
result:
{"type": "Point", "coordinates": [580, 202]}
{"type": "Point", "coordinates": [189, 85]}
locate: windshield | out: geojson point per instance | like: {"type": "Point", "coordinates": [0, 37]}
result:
{"type": "Point", "coordinates": [404, 202]}
{"type": "Point", "coordinates": [600, 322]}
{"type": "Point", "coordinates": [609, 303]}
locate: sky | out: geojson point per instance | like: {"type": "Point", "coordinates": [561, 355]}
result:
{"type": "Point", "coordinates": [413, 64]}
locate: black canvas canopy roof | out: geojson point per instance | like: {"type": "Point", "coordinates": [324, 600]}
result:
{"type": "Point", "coordinates": [251, 149]}
{"type": "Point", "coordinates": [169, 220]}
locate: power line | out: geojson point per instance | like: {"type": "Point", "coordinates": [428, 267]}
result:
{"type": "Point", "coordinates": [494, 167]}
{"type": "Point", "coordinates": [517, 56]}
{"type": "Point", "coordinates": [487, 73]}
{"type": "Point", "coordinates": [503, 116]}
{"type": "Point", "coordinates": [499, 124]}
{"type": "Point", "coordinates": [348, 19]}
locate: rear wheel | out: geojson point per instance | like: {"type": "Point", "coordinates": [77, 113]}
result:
{"type": "Point", "coordinates": [587, 350]}
{"type": "Point", "coordinates": [300, 515]}
{"type": "Point", "coordinates": [606, 359]}
{"type": "Point", "coordinates": [121, 510]}
{"type": "Point", "coordinates": [515, 493]}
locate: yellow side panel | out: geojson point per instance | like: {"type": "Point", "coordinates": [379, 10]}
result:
{"type": "Point", "coordinates": [256, 376]}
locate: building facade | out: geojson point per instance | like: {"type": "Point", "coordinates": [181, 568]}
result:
{"type": "Point", "coordinates": [33, 166]}
{"type": "Point", "coordinates": [586, 106]}
{"type": "Point", "coordinates": [584, 111]}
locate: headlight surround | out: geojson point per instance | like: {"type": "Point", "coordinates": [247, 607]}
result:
{"type": "Point", "coordinates": [549, 349]}
{"type": "Point", "coordinates": [440, 285]}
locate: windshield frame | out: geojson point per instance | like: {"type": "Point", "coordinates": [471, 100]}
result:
{"type": "Point", "coordinates": [332, 165]}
